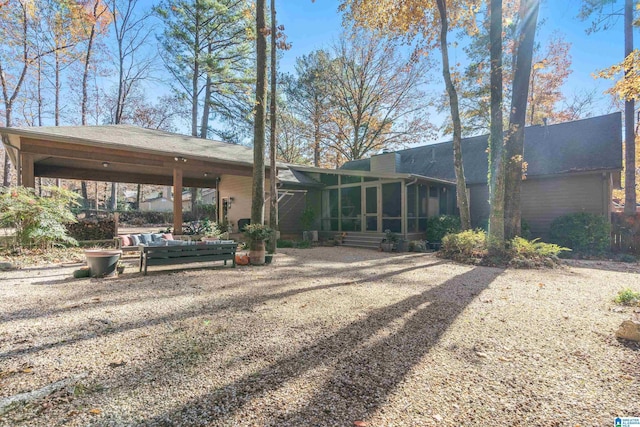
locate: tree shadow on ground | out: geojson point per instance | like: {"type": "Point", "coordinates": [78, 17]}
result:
{"type": "Point", "coordinates": [370, 358]}
{"type": "Point", "coordinates": [606, 265]}
{"type": "Point", "coordinates": [238, 301]}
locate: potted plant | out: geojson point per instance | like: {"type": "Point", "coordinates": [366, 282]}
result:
{"type": "Point", "coordinates": [212, 232]}
{"type": "Point", "coordinates": [257, 234]}
{"type": "Point", "coordinates": [102, 262]}
{"type": "Point", "coordinates": [120, 267]}
{"type": "Point", "coordinates": [389, 241]}
{"type": "Point", "coordinates": [307, 220]}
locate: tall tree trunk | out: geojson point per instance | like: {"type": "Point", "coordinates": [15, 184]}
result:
{"type": "Point", "coordinates": [496, 141]}
{"type": "Point", "coordinates": [515, 136]}
{"type": "Point", "coordinates": [85, 76]}
{"type": "Point", "coordinates": [8, 100]}
{"type": "Point", "coordinates": [629, 125]}
{"type": "Point", "coordinates": [316, 145]}
{"type": "Point", "coordinates": [85, 96]}
{"type": "Point", "coordinates": [56, 101]}
{"type": "Point", "coordinates": [85, 195]}
{"type": "Point", "coordinates": [461, 191]}
{"type": "Point", "coordinates": [114, 196]}
{"type": "Point", "coordinates": [138, 196]}
{"type": "Point", "coordinates": [39, 89]}
{"type": "Point", "coordinates": [6, 178]}
{"type": "Point", "coordinates": [257, 198]}
{"type": "Point", "coordinates": [273, 190]}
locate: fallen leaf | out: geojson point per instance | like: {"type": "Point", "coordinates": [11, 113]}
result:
{"type": "Point", "coordinates": [481, 354]}
{"type": "Point", "coordinates": [360, 423]}
{"type": "Point", "coordinates": [95, 411]}
{"type": "Point", "coordinates": [117, 363]}
{"type": "Point", "coordinates": [27, 371]}
{"type": "Point", "coordinates": [541, 285]}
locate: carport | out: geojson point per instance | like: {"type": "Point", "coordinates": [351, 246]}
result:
{"type": "Point", "coordinates": [124, 154]}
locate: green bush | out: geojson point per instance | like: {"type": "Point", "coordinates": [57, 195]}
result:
{"type": "Point", "coordinates": [304, 244]}
{"type": "Point", "coordinates": [584, 233]}
{"type": "Point", "coordinates": [467, 246]}
{"type": "Point", "coordinates": [286, 243]}
{"type": "Point", "coordinates": [533, 253]}
{"type": "Point", "coordinates": [38, 220]}
{"type": "Point", "coordinates": [470, 247]}
{"type": "Point", "coordinates": [628, 297]}
{"type": "Point", "coordinates": [417, 246]}
{"type": "Point", "coordinates": [440, 226]}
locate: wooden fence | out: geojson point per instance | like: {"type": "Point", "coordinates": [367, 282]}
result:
{"type": "Point", "coordinates": [625, 233]}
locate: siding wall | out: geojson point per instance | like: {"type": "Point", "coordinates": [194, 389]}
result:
{"type": "Point", "coordinates": [543, 200]}
{"type": "Point", "coordinates": [239, 187]}
{"type": "Point", "coordinates": [385, 163]}
{"type": "Point", "coordinates": [290, 210]}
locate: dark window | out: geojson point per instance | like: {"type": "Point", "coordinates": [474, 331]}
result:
{"type": "Point", "coordinates": [351, 201]}
{"type": "Point", "coordinates": [391, 200]}
{"type": "Point", "coordinates": [329, 179]}
{"type": "Point", "coordinates": [347, 179]}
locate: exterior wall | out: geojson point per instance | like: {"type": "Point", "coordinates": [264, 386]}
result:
{"type": "Point", "coordinates": [290, 211]}
{"type": "Point", "coordinates": [385, 163]}
{"type": "Point", "coordinates": [158, 205]}
{"type": "Point", "coordinates": [479, 205]}
{"type": "Point", "coordinates": [543, 200]}
{"type": "Point", "coordinates": [239, 188]}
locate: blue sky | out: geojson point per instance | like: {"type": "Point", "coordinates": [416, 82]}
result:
{"type": "Point", "coordinates": [311, 26]}
{"type": "Point", "coordinates": [314, 25]}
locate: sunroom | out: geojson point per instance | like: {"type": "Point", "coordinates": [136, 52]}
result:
{"type": "Point", "coordinates": [356, 201]}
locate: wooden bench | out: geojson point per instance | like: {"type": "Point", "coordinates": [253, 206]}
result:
{"type": "Point", "coordinates": [182, 254]}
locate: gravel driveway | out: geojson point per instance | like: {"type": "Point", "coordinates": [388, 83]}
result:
{"type": "Point", "coordinates": [323, 337]}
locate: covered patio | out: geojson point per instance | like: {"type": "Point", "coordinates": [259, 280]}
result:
{"type": "Point", "coordinates": [129, 154]}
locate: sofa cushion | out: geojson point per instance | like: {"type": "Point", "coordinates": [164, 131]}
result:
{"type": "Point", "coordinates": [135, 239]}
{"type": "Point", "coordinates": [157, 237]}
{"type": "Point", "coordinates": [126, 240]}
{"type": "Point", "coordinates": [146, 238]}
{"type": "Point", "coordinates": [167, 236]}
{"type": "Point", "coordinates": [174, 242]}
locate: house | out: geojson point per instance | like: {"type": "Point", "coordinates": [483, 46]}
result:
{"type": "Point", "coordinates": [130, 154]}
{"type": "Point", "coordinates": [571, 167]}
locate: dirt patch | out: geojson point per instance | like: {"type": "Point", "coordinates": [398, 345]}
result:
{"type": "Point", "coordinates": [323, 337]}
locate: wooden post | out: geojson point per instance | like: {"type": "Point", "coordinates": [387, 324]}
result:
{"type": "Point", "coordinates": [27, 178]}
{"type": "Point", "coordinates": [177, 201]}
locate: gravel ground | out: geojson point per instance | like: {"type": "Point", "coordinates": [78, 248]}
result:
{"type": "Point", "coordinates": [323, 337]}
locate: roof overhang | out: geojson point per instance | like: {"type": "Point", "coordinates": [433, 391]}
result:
{"type": "Point", "coordinates": [125, 154]}
{"type": "Point", "coordinates": [368, 174]}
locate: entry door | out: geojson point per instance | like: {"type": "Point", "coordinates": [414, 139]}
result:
{"type": "Point", "coordinates": [371, 208]}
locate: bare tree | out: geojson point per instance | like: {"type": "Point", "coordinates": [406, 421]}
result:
{"type": "Point", "coordinates": [375, 97]}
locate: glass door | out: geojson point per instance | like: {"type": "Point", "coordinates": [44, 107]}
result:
{"type": "Point", "coordinates": [371, 210]}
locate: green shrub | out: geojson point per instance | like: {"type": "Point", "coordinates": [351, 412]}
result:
{"type": "Point", "coordinates": [308, 217]}
{"type": "Point", "coordinates": [303, 244]}
{"type": "Point", "coordinates": [467, 246]}
{"type": "Point", "coordinates": [38, 220]}
{"type": "Point", "coordinates": [286, 243]}
{"type": "Point", "coordinates": [628, 297]}
{"type": "Point", "coordinates": [533, 253]}
{"type": "Point", "coordinates": [584, 233]}
{"type": "Point", "coordinates": [440, 226]}
{"type": "Point", "coordinates": [417, 246]}
{"type": "Point", "coordinates": [470, 247]}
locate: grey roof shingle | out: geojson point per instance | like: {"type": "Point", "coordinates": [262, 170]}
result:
{"type": "Point", "coordinates": [583, 145]}
{"type": "Point", "coordinates": [141, 139]}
